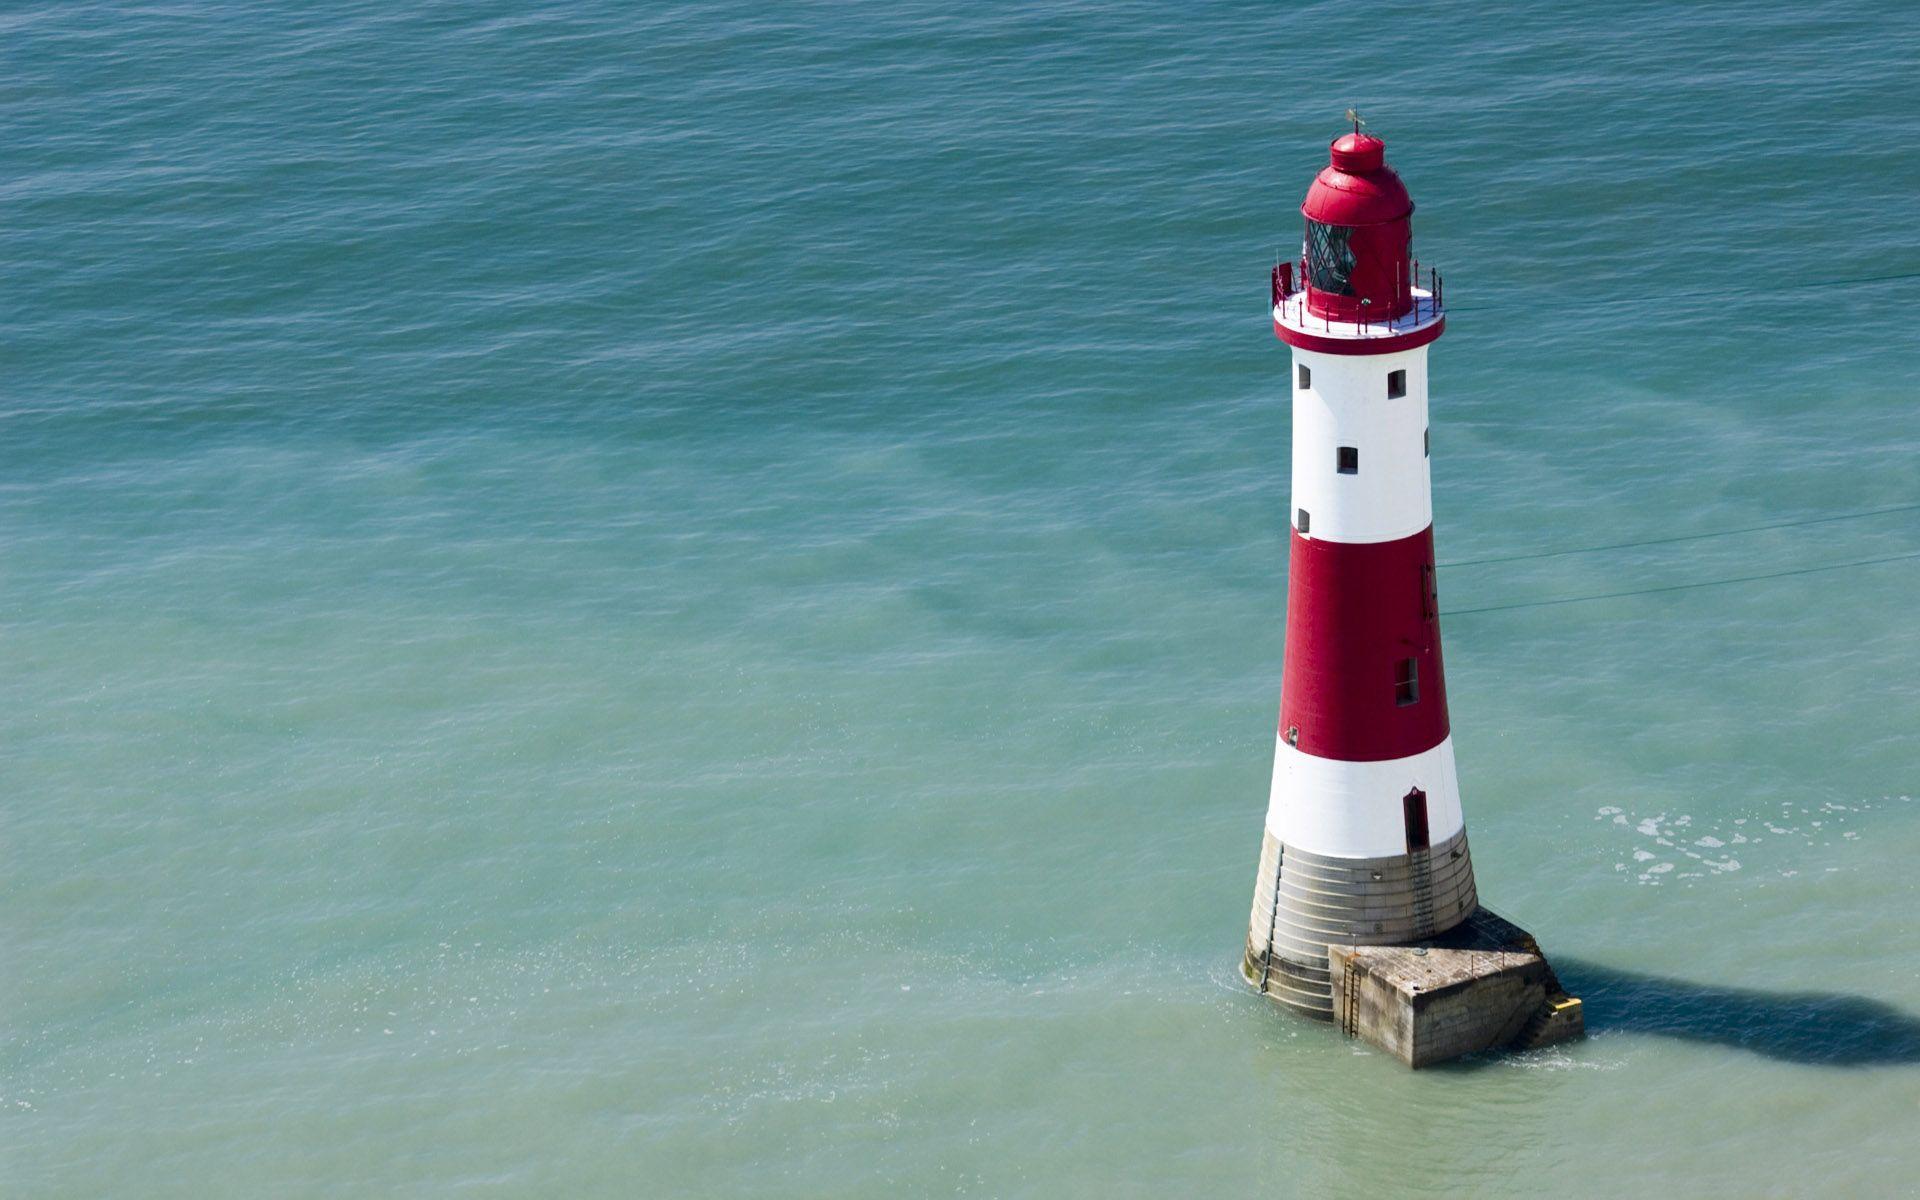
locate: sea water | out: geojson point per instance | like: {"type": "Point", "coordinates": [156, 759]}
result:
{"type": "Point", "coordinates": [656, 600]}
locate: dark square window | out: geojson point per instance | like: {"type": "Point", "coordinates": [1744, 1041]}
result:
{"type": "Point", "coordinates": [1396, 384]}
{"type": "Point", "coordinates": [1306, 377]}
{"type": "Point", "coordinates": [1302, 521]}
{"type": "Point", "coordinates": [1349, 461]}
{"type": "Point", "coordinates": [1406, 682]}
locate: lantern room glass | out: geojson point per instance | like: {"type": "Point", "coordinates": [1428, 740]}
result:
{"type": "Point", "coordinates": [1330, 258]}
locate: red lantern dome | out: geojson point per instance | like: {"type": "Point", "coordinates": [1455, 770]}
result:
{"type": "Point", "coordinates": [1359, 235]}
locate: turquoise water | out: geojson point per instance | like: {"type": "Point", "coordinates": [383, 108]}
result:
{"type": "Point", "coordinates": [688, 600]}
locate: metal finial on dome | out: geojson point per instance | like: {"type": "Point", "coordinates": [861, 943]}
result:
{"type": "Point", "coordinates": [1353, 114]}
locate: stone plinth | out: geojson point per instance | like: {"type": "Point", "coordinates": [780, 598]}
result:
{"type": "Point", "coordinates": [1482, 984]}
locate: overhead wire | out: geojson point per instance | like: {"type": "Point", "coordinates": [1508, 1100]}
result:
{"type": "Point", "coordinates": [1693, 537]}
{"type": "Point", "coordinates": [1693, 294]}
{"type": "Point", "coordinates": [1679, 587]}
{"type": "Point", "coordinates": [1685, 537]}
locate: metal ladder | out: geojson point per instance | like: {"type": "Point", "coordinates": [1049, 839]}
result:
{"type": "Point", "coordinates": [1273, 918]}
{"type": "Point", "coordinates": [1350, 1008]}
{"type": "Point", "coordinates": [1420, 876]}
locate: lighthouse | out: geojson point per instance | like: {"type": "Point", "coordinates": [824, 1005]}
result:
{"type": "Point", "coordinates": [1365, 842]}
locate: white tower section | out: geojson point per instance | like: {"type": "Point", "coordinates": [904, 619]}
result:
{"type": "Point", "coordinates": [1344, 400]}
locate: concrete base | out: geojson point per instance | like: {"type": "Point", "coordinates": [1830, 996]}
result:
{"type": "Point", "coordinates": [1480, 985]}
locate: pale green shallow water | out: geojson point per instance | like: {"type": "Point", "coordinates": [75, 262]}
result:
{"type": "Point", "coordinates": [688, 601]}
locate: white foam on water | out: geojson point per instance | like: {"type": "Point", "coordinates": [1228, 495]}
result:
{"type": "Point", "coordinates": [1660, 828]}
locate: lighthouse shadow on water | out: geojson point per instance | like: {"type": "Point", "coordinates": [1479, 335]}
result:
{"type": "Point", "coordinates": [1818, 1028]}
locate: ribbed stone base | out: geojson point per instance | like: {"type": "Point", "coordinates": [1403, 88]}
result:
{"type": "Point", "coordinates": [1302, 902]}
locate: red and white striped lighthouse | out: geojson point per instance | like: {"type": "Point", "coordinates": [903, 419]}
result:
{"type": "Point", "coordinates": [1365, 841]}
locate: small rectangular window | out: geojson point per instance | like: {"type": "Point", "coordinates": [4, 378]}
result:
{"type": "Point", "coordinates": [1426, 442]}
{"type": "Point", "coordinates": [1302, 522]}
{"type": "Point", "coordinates": [1306, 377]}
{"type": "Point", "coordinates": [1396, 384]}
{"type": "Point", "coordinates": [1349, 461]}
{"type": "Point", "coordinates": [1406, 682]}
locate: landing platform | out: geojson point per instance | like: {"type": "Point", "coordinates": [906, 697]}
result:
{"type": "Point", "coordinates": [1481, 985]}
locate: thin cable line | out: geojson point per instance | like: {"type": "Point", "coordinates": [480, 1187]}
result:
{"type": "Point", "coordinates": [1692, 294]}
{"type": "Point", "coordinates": [1685, 537]}
{"type": "Point", "coordinates": [1679, 587]}
{"type": "Point", "coordinates": [1846, 282]}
